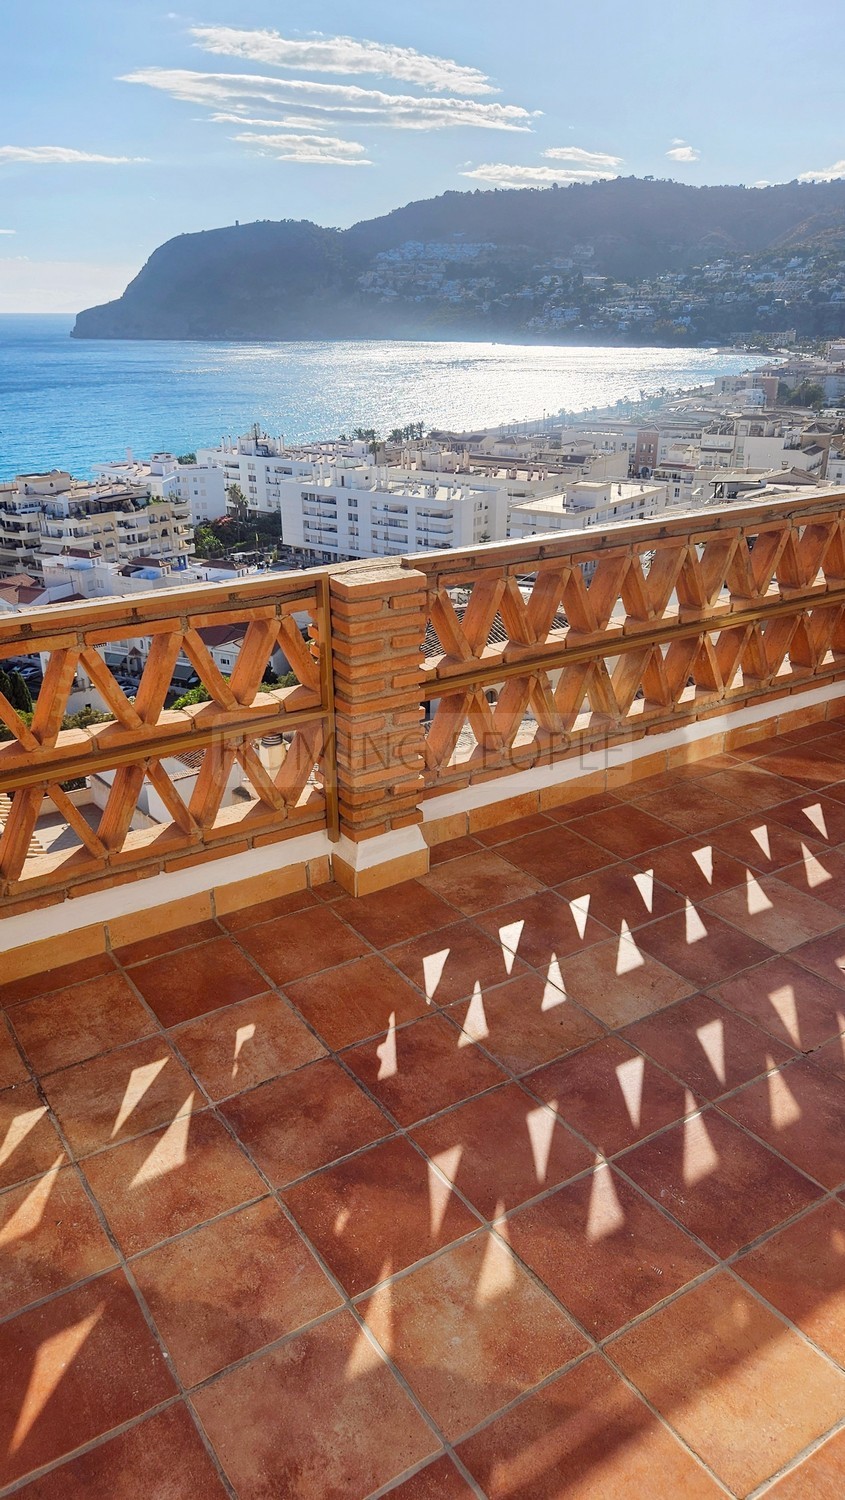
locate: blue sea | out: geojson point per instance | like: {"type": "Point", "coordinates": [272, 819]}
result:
{"type": "Point", "coordinates": [69, 403]}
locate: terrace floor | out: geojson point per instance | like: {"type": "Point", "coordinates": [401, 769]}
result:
{"type": "Point", "coordinates": [524, 1179]}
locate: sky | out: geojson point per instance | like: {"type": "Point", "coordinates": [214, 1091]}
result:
{"type": "Point", "coordinates": [124, 123]}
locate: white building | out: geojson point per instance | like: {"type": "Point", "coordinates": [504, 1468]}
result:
{"type": "Point", "coordinates": [48, 515]}
{"type": "Point", "coordinates": [334, 506]}
{"type": "Point", "coordinates": [588, 504]}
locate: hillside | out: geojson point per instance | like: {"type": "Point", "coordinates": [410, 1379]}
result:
{"type": "Point", "coordinates": [480, 264]}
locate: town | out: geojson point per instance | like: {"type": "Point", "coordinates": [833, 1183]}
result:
{"type": "Point", "coordinates": [752, 298]}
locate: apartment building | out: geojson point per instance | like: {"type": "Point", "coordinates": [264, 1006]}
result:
{"type": "Point", "coordinates": [201, 486]}
{"type": "Point", "coordinates": [336, 503]}
{"type": "Point", "coordinates": [587, 504]}
{"type": "Point", "coordinates": [48, 515]}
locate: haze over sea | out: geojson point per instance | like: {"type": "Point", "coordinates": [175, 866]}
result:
{"type": "Point", "coordinates": [70, 403]}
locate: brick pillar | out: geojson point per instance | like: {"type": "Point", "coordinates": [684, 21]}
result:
{"type": "Point", "coordinates": [377, 627]}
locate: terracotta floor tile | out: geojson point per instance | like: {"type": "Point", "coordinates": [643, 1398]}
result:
{"type": "Point", "coordinates": [163, 1183]}
{"type": "Point", "coordinates": [296, 1124]}
{"type": "Point", "coordinates": [790, 1003]}
{"type": "Point", "coordinates": [29, 1143]}
{"type": "Point", "coordinates": [418, 1069]}
{"type": "Point", "coordinates": [449, 963]}
{"type": "Point", "coordinates": [356, 1000]}
{"type": "Point", "coordinates": [580, 807]}
{"type": "Point", "coordinates": [73, 1368]}
{"type": "Point", "coordinates": [180, 986]}
{"type": "Point", "coordinates": [774, 912]}
{"type": "Point", "coordinates": [321, 1416]}
{"type": "Point", "coordinates": [691, 808]}
{"type": "Point", "coordinates": [626, 831]}
{"type": "Point", "coordinates": [329, 891]}
{"type": "Point", "coordinates": [750, 788]}
{"type": "Point", "coordinates": [700, 946]}
{"type": "Point", "coordinates": [825, 956]}
{"type": "Point", "coordinates": [292, 947]}
{"type": "Point", "coordinates": [818, 872]}
{"type": "Point", "coordinates": [542, 927]}
{"type": "Point", "coordinates": [121, 1094]}
{"type": "Point", "coordinates": [264, 911]}
{"type": "Point", "coordinates": [810, 765]}
{"type": "Point", "coordinates": [814, 816]}
{"type": "Point", "coordinates": [60, 978]}
{"type": "Point", "coordinates": [800, 1111]}
{"type": "Point", "coordinates": [236, 1048]}
{"type": "Point", "coordinates": [759, 842]}
{"type": "Point", "coordinates": [470, 1331]}
{"type": "Point", "coordinates": [378, 1213]}
{"type": "Point", "coordinates": [559, 853]}
{"type": "Point", "coordinates": [402, 912]}
{"type": "Point", "coordinates": [163, 1458]}
{"type": "Point", "coordinates": [505, 833]}
{"type": "Point", "coordinates": [619, 982]}
{"type": "Point", "coordinates": [478, 881]}
{"type": "Point", "coordinates": [712, 1049]}
{"type": "Point", "coordinates": [230, 1288]}
{"type": "Point", "coordinates": [50, 1236]}
{"type": "Point", "coordinates": [502, 1149]}
{"type": "Point", "coordinates": [719, 1183]}
{"type": "Point", "coordinates": [832, 1056]}
{"type": "Point", "coordinates": [527, 1021]}
{"type": "Point", "coordinates": [819, 1477]}
{"type": "Point", "coordinates": [166, 942]}
{"type": "Point", "coordinates": [604, 1251]}
{"type": "Point", "coordinates": [439, 854]}
{"type": "Point", "coordinates": [735, 1382]}
{"type": "Point", "coordinates": [584, 1436]}
{"type": "Point", "coordinates": [696, 868]}
{"type": "Point", "coordinates": [13, 1069]}
{"type": "Point", "coordinates": [70, 1025]}
{"type": "Point", "coordinates": [437, 1481]}
{"type": "Point", "coordinates": [801, 1271]}
{"type": "Point", "coordinates": [610, 1094]}
{"type": "Point", "coordinates": [621, 893]}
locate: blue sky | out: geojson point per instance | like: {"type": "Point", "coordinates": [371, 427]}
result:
{"type": "Point", "coordinates": [124, 123]}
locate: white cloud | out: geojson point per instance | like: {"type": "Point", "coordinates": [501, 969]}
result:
{"type": "Point", "coordinates": [824, 174]}
{"type": "Point", "coordinates": [683, 153]}
{"type": "Point", "coordinates": [343, 102]}
{"type": "Point", "coordinates": [344, 55]}
{"type": "Point", "coordinates": [63, 154]}
{"type": "Point", "coordinates": [580, 158]}
{"type": "Point", "coordinates": [316, 150]}
{"type": "Point", "coordinates": [8, 231]}
{"type": "Point", "coordinates": [502, 174]}
{"type": "Point", "coordinates": [763, 182]}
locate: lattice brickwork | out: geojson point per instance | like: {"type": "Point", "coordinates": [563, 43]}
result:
{"type": "Point", "coordinates": [244, 768]}
{"type": "Point", "coordinates": [560, 645]}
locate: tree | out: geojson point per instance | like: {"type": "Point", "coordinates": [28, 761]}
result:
{"type": "Point", "coordinates": [187, 458]}
{"type": "Point", "coordinates": [237, 502]}
{"type": "Point", "coordinates": [15, 691]}
{"type": "Point", "coordinates": [207, 543]}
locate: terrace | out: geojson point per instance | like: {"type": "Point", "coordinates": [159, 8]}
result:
{"type": "Point", "coordinates": [461, 1113]}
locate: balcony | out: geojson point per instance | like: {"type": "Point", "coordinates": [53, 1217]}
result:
{"type": "Point", "coordinates": [506, 1162]}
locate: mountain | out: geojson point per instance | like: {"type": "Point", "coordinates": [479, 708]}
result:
{"type": "Point", "coordinates": [480, 264]}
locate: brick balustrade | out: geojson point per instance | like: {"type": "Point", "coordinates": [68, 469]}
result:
{"type": "Point", "coordinates": [537, 656]}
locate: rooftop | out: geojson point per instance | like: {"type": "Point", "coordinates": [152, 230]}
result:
{"type": "Point", "coordinates": [520, 1179]}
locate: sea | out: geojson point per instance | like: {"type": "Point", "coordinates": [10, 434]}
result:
{"type": "Point", "coordinates": [68, 403]}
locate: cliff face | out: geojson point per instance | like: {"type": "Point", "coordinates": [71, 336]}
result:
{"type": "Point", "coordinates": [290, 280]}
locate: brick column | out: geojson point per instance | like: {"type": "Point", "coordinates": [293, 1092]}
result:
{"type": "Point", "coordinates": [377, 627]}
